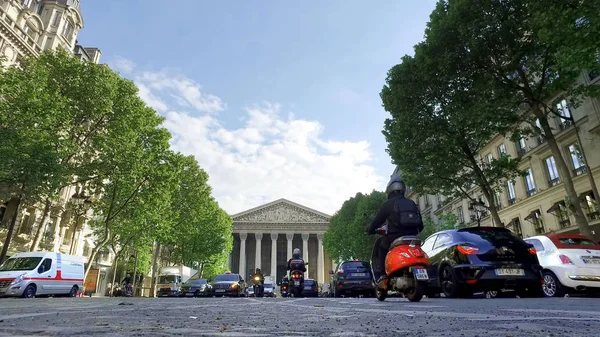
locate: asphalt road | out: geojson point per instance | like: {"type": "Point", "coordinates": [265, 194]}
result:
{"type": "Point", "coordinates": [299, 317]}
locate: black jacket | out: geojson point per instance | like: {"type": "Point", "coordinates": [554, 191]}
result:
{"type": "Point", "coordinates": [402, 215]}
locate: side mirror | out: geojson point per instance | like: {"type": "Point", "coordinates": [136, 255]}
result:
{"type": "Point", "coordinates": [242, 280]}
{"type": "Point", "coordinates": [331, 272]}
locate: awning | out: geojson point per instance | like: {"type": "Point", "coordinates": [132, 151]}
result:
{"type": "Point", "coordinates": [512, 222]}
{"type": "Point", "coordinates": [532, 216]}
{"type": "Point", "coordinates": [583, 195]}
{"type": "Point", "coordinates": [556, 206]}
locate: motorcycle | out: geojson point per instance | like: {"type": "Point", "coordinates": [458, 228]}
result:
{"type": "Point", "coordinates": [127, 291]}
{"type": "Point", "coordinates": [258, 287]}
{"type": "Point", "coordinates": [405, 268]}
{"type": "Point", "coordinates": [296, 283]}
{"type": "Point", "coordinates": [284, 287]}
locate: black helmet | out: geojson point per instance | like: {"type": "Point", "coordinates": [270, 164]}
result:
{"type": "Point", "coordinates": [395, 185]}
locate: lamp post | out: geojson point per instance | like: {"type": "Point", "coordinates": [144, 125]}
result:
{"type": "Point", "coordinates": [81, 204]}
{"type": "Point", "coordinates": [478, 207]}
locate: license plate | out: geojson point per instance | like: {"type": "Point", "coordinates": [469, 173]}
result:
{"type": "Point", "coordinates": [296, 283]}
{"type": "Point", "coordinates": [220, 290]}
{"type": "Point", "coordinates": [359, 274]}
{"type": "Point", "coordinates": [306, 288]}
{"type": "Point", "coordinates": [510, 272]}
{"type": "Point", "coordinates": [591, 261]}
{"type": "Point", "coordinates": [189, 294]}
{"type": "Point", "coordinates": [421, 274]}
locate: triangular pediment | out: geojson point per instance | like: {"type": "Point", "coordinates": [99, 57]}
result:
{"type": "Point", "coordinates": [281, 211]}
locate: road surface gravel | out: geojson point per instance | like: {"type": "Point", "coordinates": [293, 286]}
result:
{"type": "Point", "coordinates": [299, 317]}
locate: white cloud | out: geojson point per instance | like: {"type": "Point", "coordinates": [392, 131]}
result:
{"type": "Point", "coordinates": [123, 65]}
{"type": "Point", "coordinates": [268, 158]}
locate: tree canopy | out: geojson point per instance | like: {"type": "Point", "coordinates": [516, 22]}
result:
{"type": "Point", "coordinates": [488, 68]}
{"type": "Point", "coordinates": [345, 238]}
{"type": "Point", "coordinates": [67, 122]}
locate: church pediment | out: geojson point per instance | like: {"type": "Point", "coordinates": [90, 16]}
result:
{"type": "Point", "coordinates": [281, 211]}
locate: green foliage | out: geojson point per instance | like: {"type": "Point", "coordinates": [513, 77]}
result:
{"type": "Point", "coordinates": [446, 221]}
{"type": "Point", "coordinates": [214, 266]}
{"type": "Point", "coordinates": [345, 238]}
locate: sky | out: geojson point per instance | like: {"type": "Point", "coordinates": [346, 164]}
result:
{"type": "Point", "coordinates": [275, 99]}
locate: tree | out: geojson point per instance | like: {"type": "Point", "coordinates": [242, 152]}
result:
{"type": "Point", "coordinates": [345, 238]}
{"type": "Point", "coordinates": [443, 115]}
{"type": "Point", "coordinates": [446, 221]}
{"type": "Point", "coordinates": [510, 42]}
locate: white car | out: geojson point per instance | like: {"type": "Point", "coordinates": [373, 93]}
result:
{"type": "Point", "coordinates": [570, 262]}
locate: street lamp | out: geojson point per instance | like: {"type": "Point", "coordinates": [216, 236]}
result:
{"type": "Point", "coordinates": [81, 204]}
{"type": "Point", "coordinates": [478, 207]}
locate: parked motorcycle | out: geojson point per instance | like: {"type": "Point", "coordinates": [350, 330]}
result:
{"type": "Point", "coordinates": [405, 268]}
{"type": "Point", "coordinates": [258, 287]}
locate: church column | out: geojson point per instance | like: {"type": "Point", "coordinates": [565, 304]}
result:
{"type": "Point", "coordinates": [274, 237]}
{"type": "Point", "coordinates": [305, 237]}
{"type": "Point", "coordinates": [242, 269]}
{"type": "Point", "coordinates": [289, 237]}
{"type": "Point", "coordinates": [320, 261]}
{"type": "Point", "coordinates": [258, 251]}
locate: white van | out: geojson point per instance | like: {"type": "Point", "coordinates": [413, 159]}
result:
{"type": "Point", "coordinates": [41, 273]}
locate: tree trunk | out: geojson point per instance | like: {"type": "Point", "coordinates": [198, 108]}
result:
{"type": "Point", "coordinates": [563, 171]}
{"type": "Point", "coordinates": [114, 276]}
{"type": "Point", "coordinates": [154, 270]}
{"type": "Point", "coordinates": [42, 229]}
{"type": "Point", "coordinates": [590, 174]}
{"type": "Point", "coordinates": [95, 252]}
{"type": "Point", "coordinates": [488, 193]}
{"type": "Point", "coordinates": [135, 266]}
{"type": "Point", "coordinates": [11, 227]}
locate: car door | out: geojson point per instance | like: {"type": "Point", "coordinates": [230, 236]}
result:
{"type": "Point", "coordinates": [47, 277]}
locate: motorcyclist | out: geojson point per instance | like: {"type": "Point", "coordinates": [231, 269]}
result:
{"type": "Point", "coordinates": [127, 282]}
{"type": "Point", "coordinates": [296, 255]}
{"type": "Point", "coordinates": [403, 218]}
{"type": "Point", "coordinates": [261, 277]}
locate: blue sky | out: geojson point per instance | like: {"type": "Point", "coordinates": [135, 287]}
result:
{"type": "Point", "coordinates": [287, 88]}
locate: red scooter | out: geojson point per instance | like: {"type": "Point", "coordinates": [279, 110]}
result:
{"type": "Point", "coordinates": [405, 268]}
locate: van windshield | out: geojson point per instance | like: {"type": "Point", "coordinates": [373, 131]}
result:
{"type": "Point", "coordinates": [20, 263]}
{"type": "Point", "coordinates": [167, 279]}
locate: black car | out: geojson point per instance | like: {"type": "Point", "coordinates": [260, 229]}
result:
{"type": "Point", "coordinates": [227, 285]}
{"type": "Point", "coordinates": [352, 278]}
{"type": "Point", "coordinates": [195, 288]}
{"type": "Point", "coordinates": [311, 288]}
{"type": "Point", "coordinates": [477, 259]}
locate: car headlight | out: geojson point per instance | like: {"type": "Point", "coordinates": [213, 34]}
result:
{"type": "Point", "coordinates": [19, 279]}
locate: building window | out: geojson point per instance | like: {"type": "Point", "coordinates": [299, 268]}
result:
{"type": "Point", "coordinates": [565, 113]}
{"type": "Point", "coordinates": [560, 211]}
{"type": "Point", "coordinates": [501, 150]}
{"type": "Point", "coordinates": [498, 200]}
{"type": "Point", "coordinates": [68, 31]}
{"type": "Point", "coordinates": [521, 147]}
{"type": "Point", "coordinates": [56, 19]}
{"type": "Point", "coordinates": [577, 159]}
{"type": "Point", "coordinates": [490, 158]}
{"type": "Point", "coordinates": [535, 218]}
{"type": "Point", "coordinates": [27, 3]}
{"type": "Point", "coordinates": [427, 201]}
{"type": "Point", "coordinates": [591, 206]}
{"type": "Point", "coordinates": [540, 137]}
{"type": "Point", "coordinates": [512, 195]}
{"type": "Point", "coordinates": [553, 178]}
{"type": "Point", "coordinates": [460, 214]}
{"type": "Point", "coordinates": [530, 183]}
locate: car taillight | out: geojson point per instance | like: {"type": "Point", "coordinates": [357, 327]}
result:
{"type": "Point", "coordinates": [341, 272]}
{"type": "Point", "coordinates": [565, 259]}
{"type": "Point", "coordinates": [416, 252]}
{"type": "Point", "coordinates": [532, 251]}
{"type": "Point", "coordinates": [467, 250]}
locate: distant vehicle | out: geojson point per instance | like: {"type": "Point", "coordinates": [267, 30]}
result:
{"type": "Point", "coordinates": [41, 273]}
{"type": "Point", "coordinates": [228, 284]}
{"type": "Point", "coordinates": [311, 288]}
{"type": "Point", "coordinates": [171, 279]}
{"type": "Point", "coordinates": [474, 259]}
{"type": "Point", "coordinates": [352, 278]}
{"type": "Point", "coordinates": [270, 290]}
{"type": "Point", "coordinates": [195, 288]}
{"type": "Point", "coordinates": [571, 263]}
{"type": "Point", "coordinates": [249, 291]}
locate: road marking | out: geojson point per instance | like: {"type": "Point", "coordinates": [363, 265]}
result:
{"type": "Point", "coordinates": [555, 311]}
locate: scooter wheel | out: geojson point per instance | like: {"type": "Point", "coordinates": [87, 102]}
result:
{"type": "Point", "coordinates": [381, 294]}
{"type": "Point", "coordinates": [416, 294]}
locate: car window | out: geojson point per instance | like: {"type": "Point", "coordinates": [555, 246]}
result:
{"type": "Point", "coordinates": [308, 282]}
{"type": "Point", "coordinates": [46, 265]}
{"type": "Point", "coordinates": [226, 278]}
{"type": "Point", "coordinates": [489, 234]}
{"type": "Point", "coordinates": [575, 243]}
{"type": "Point", "coordinates": [537, 244]}
{"type": "Point", "coordinates": [428, 244]}
{"type": "Point", "coordinates": [355, 265]}
{"type": "Point", "coordinates": [442, 240]}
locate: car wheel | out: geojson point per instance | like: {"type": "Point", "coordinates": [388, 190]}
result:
{"type": "Point", "coordinates": [449, 283]}
{"type": "Point", "coordinates": [29, 292]}
{"type": "Point", "coordinates": [552, 286]}
{"type": "Point", "coordinates": [73, 292]}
